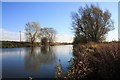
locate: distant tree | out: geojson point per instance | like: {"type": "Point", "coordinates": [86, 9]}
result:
{"type": "Point", "coordinates": [91, 23]}
{"type": "Point", "coordinates": [52, 34]}
{"type": "Point", "coordinates": [48, 34]}
{"type": "Point", "coordinates": [44, 41]}
{"type": "Point", "coordinates": [31, 32]}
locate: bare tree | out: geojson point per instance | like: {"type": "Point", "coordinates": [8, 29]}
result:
{"type": "Point", "coordinates": [48, 34]}
{"type": "Point", "coordinates": [52, 35]}
{"type": "Point", "coordinates": [31, 32]}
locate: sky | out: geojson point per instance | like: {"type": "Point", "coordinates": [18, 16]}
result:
{"type": "Point", "coordinates": [60, 0]}
{"type": "Point", "coordinates": [49, 14]}
{"type": "Point", "coordinates": [119, 20]}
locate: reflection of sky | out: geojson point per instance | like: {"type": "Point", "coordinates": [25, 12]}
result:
{"type": "Point", "coordinates": [20, 62]}
{"type": "Point", "coordinates": [13, 52]}
{"type": "Point", "coordinates": [0, 63]}
{"type": "Point", "coordinates": [64, 54]}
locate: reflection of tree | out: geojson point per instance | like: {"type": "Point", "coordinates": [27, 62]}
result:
{"type": "Point", "coordinates": [37, 56]}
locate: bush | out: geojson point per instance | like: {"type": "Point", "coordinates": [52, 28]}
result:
{"type": "Point", "coordinates": [95, 61]}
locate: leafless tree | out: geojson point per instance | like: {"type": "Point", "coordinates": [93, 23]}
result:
{"type": "Point", "coordinates": [48, 34]}
{"type": "Point", "coordinates": [52, 35]}
{"type": "Point", "coordinates": [31, 32]}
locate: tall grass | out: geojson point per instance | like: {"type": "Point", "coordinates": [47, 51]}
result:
{"type": "Point", "coordinates": [95, 61]}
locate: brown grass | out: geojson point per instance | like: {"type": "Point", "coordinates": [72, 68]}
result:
{"type": "Point", "coordinates": [95, 61]}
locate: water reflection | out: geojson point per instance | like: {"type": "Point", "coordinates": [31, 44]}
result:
{"type": "Point", "coordinates": [0, 63]}
{"type": "Point", "coordinates": [38, 62]}
{"type": "Point", "coordinates": [37, 56]}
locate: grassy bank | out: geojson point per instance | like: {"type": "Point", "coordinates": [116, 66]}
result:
{"type": "Point", "coordinates": [94, 61]}
{"type": "Point", "coordinates": [13, 44]}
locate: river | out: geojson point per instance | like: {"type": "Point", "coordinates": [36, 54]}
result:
{"type": "Point", "coordinates": [39, 62]}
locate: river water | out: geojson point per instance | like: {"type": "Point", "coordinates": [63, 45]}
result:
{"type": "Point", "coordinates": [39, 62]}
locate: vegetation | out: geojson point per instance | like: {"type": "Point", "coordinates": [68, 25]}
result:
{"type": "Point", "coordinates": [47, 35]}
{"type": "Point", "coordinates": [34, 32]}
{"type": "Point", "coordinates": [14, 44]}
{"type": "Point", "coordinates": [91, 23]}
{"type": "Point", "coordinates": [93, 58]}
{"type": "Point", "coordinates": [94, 61]}
{"type": "Point", "coordinates": [31, 32]}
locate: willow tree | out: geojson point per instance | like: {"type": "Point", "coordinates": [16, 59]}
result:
{"type": "Point", "coordinates": [91, 23]}
{"type": "Point", "coordinates": [31, 32]}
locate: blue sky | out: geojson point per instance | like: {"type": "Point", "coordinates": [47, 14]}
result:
{"type": "Point", "coordinates": [50, 14]}
{"type": "Point", "coordinates": [60, 0]}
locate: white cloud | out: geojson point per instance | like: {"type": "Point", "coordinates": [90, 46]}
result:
{"type": "Point", "coordinates": [64, 38]}
{"type": "Point", "coordinates": [15, 36]}
{"type": "Point", "coordinates": [10, 36]}
{"type": "Point", "coordinates": [112, 35]}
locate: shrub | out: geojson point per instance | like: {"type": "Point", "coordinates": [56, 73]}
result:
{"type": "Point", "coordinates": [95, 61]}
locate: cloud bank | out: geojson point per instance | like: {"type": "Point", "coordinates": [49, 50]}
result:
{"type": "Point", "coordinates": [15, 36]}
{"type": "Point", "coordinates": [11, 36]}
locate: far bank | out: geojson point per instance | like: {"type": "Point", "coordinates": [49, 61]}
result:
{"type": "Point", "coordinates": [14, 44]}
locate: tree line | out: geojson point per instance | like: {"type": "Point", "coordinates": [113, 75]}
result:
{"type": "Point", "coordinates": [90, 24]}
{"type": "Point", "coordinates": [34, 32]}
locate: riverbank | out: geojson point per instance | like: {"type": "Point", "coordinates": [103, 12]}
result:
{"type": "Point", "coordinates": [14, 44]}
{"type": "Point", "coordinates": [94, 61]}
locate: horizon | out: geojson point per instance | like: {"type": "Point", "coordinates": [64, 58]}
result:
{"type": "Point", "coordinates": [16, 15]}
